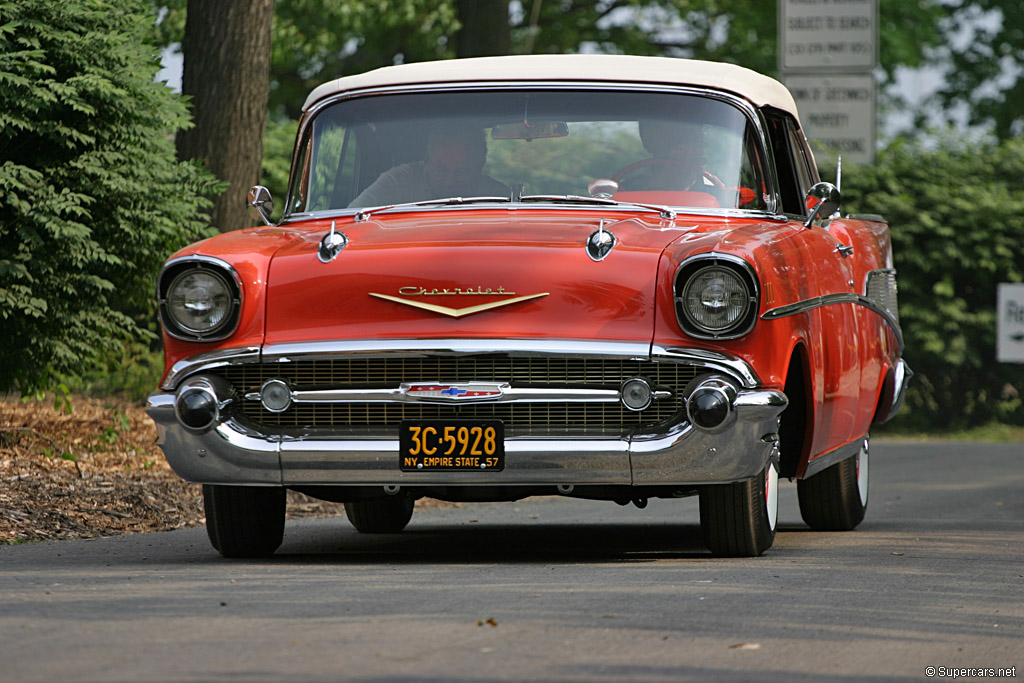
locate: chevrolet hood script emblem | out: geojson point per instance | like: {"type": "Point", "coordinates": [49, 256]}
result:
{"type": "Point", "coordinates": [458, 312]}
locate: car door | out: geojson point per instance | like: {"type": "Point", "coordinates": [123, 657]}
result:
{"type": "Point", "coordinates": [832, 335]}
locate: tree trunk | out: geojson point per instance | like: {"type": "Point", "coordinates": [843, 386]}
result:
{"type": "Point", "coordinates": [485, 28]}
{"type": "Point", "coordinates": [227, 75]}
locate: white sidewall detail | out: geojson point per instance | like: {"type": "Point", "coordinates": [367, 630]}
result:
{"type": "Point", "coordinates": [862, 474]}
{"type": "Point", "coordinates": [771, 494]}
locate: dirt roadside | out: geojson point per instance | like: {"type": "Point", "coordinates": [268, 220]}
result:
{"type": "Point", "coordinates": [95, 472]}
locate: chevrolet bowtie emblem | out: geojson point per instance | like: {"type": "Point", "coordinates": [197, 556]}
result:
{"type": "Point", "coordinates": [458, 312]}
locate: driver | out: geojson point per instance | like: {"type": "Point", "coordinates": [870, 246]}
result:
{"type": "Point", "coordinates": [453, 168]}
{"type": "Point", "coordinates": [677, 163]}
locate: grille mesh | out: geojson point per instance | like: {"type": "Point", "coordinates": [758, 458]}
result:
{"type": "Point", "coordinates": [389, 372]}
{"type": "Point", "coordinates": [881, 288]}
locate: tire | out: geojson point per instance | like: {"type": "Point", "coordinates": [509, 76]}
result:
{"type": "Point", "coordinates": [836, 498]}
{"type": "Point", "coordinates": [244, 521]}
{"type": "Point", "coordinates": [380, 515]}
{"type": "Point", "coordinates": [738, 520]}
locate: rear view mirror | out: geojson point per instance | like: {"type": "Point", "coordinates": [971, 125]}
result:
{"type": "Point", "coordinates": [530, 130]}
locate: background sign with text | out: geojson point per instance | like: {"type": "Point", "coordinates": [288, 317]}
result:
{"type": "Point", "coordinates": [817, 35]}
{"type": "Point", "coordinates": [838, 112]}
{"type": "Point", "coordinates": [1010, 328]}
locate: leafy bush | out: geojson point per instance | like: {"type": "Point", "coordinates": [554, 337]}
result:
{"type": "Point", "coordinates": [956, 212]}
{"type": "Point", "coordinates": [92, 199]}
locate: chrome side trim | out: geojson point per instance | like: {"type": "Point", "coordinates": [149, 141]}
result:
{"type": "Point", "coordinates": [826, 460]}
{"type": "Point", "coordinates": [839, 298]}
{"type": "Point", "coordinates": [208, 360]}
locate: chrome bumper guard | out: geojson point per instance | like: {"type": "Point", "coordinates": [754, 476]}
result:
{"type": "Point", "coordinates": [234, 452]}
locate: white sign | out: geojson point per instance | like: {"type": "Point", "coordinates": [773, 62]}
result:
{"type": "Point", "coordinates": [817, 35]}
{"type": "Point", "coordinates": [1010, 325]}
{"type": "Point", "coordinates": [838, 113]}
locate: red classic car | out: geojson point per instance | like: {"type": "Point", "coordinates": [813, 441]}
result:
{"type": "Point", "coordinates": [605, 277]}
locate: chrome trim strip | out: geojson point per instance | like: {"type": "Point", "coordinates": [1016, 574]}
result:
{"type": "Point", "coordinates": [207, 361]}
{"type": "Point", "coordinates": [509, 395]}
{"type": "Point", "coordinates": [839, 298]}
{"type": "Point", "coordinates": [288, 352]}
{"type": "Point", "coordinates": [732, 366]}
{"type": "Point", "coordinates": [736, 368]}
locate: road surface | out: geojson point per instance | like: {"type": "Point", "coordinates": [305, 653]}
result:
{"type": "Point", "coordinates": [552, 590]}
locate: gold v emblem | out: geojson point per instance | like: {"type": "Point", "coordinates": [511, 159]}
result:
{"type": "Point", "coordinates": [458, 312]}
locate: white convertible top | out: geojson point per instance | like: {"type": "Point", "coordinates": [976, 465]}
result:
{"type": "Point", "coordinates": [760, 90]}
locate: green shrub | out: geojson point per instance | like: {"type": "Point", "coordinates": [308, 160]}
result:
{"type": "Point", "coordinates": [956, 212]}
{"type": "Point", "coordinates": [92, 199]}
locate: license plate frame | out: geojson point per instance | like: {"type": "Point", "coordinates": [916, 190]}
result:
{"type": "Point", "coordinates": [440, 446]}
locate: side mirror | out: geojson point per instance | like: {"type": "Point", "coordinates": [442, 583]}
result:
{"type": "Point", "coordinates": [260, 199]}
{"type": "Point", "coordinates": [822, 200]}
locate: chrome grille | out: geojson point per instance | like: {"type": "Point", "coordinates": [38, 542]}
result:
{"type": "Point", "coordinates": [531, 371]}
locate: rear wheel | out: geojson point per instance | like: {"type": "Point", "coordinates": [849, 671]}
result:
{"type": "Point", "coordinates": [380, 515]}
{"type": "Point", "coordinates": [836, 498]}
{"type": "Point", "coordinates": [738, 520]}
{"type": "Point", "coordinates": [244, 521]}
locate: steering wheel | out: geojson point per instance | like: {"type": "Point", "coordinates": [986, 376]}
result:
{"type": "Point", "coordinates": [632, 168]}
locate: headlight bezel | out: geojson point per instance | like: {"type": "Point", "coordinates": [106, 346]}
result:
{"type": "Point", "coordinates": [172, 273]}
{"type": "Point", "coordinates": [734, 266]}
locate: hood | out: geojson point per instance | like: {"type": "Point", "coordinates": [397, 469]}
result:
{"type": "Point", "coordinates": [469, 274]}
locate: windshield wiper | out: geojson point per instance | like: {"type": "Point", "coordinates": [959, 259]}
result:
{"type": "Point", "coordinates": [364, 214]}
{"type": "Point", "coordinates": [665, 211]}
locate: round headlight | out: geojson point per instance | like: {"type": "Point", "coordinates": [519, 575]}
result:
{"type": "Point", "coordinates": [199, 301]}
{"type": "Point", "coordinates": [715, 299]}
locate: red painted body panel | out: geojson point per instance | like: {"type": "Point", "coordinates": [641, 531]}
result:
{"type": "Point", "coordinates": [524, 254]}
{"type": "Point", "coordinates": [290, 296]}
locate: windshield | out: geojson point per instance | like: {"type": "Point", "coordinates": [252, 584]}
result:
{"type": "Point", "coordinates": [657, 148]}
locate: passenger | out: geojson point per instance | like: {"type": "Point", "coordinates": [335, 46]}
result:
{"type": "Point", "coordinates": [453, 168]}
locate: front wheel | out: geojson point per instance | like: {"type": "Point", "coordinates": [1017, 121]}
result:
{"type": "Point", "coordinates": [738, 520]}
{"type": "Point", "coordinates": [244, 521]}
{"type": "Point", "coordinates": [836, 498]}
{"type": "Point", "coordinates": [380, 515]}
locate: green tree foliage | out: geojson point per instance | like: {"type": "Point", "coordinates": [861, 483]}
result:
{"type": "Point", "coordinates": [92, 199]}
{"type": "Point", "coordinates": [987, 73]}
{"type": "Point", "coordinates": [957, 218]}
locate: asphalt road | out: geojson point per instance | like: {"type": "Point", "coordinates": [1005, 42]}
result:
{"type": "Point", "coordinates": [553, 590]}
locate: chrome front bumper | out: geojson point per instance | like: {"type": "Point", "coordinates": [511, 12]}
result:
{"type": "Point", "coordinates": [233, 451]}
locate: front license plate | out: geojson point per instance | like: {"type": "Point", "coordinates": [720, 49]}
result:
{"type": "Point", "coordinates": [451, 445]}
